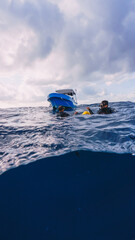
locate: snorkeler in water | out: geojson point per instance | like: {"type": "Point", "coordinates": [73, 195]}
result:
{"type": "Point", "coordinates": [104, 109]}
{"type": "Point", "coordinates": [61, 112]}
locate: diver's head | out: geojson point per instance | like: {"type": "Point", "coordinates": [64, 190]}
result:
{"type": "Point", "coordinates": [104, 104]}
{"type": "Point", "coordinates": [61, 108]}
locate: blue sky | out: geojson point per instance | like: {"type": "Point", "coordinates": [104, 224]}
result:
{"type": "Point", "coordinates": [51, 44]}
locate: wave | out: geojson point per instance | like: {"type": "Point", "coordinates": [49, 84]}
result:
{"type": "Point", "coordinates": [29, 134]}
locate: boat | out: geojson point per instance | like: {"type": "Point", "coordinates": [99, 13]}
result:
{"type": "Point", "coordinates": [63, 97]}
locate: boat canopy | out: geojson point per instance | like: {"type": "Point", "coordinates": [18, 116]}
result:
{"type": "Point", "coordinates": [66, 91]}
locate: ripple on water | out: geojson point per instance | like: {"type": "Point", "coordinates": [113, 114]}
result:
{"type": "Point", "coordinates": [28, 134]}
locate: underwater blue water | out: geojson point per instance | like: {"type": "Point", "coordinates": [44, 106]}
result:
{"type": "Point", "coordinates": [67, 178]}
{"type": "Point", "coordinates": [29, 134]}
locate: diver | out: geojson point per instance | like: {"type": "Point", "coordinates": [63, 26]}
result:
{"type": "Point", "coordinates": [104, 109]}
{"type": "Point", "coordinates": [61, 112]}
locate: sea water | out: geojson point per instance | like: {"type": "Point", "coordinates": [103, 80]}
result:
{"type": "Point", "coordinates": [67, 178]}
{"type": "Point", "coordinates": [29, 134]}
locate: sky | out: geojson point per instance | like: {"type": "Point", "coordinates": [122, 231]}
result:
{"type": "Point", "coordinates": [47, 45]}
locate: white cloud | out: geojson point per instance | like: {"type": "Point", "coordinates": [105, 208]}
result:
{"type": "Point", "coordinates": [46, 45]}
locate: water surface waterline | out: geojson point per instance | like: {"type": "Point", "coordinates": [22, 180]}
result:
{"type": "Point", "coordinates": [29, 134]}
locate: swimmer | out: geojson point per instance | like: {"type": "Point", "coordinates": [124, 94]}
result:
{"type": "Point", "coordinates": [104, 109]}
{"type": "Point", "coordinates": [61, 112]}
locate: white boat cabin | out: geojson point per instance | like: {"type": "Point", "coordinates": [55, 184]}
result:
{"type": "Point", "coordinates": [69, 92]}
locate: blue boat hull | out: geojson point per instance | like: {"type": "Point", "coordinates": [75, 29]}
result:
{"type": "Point", "coordinates": [57, 99]}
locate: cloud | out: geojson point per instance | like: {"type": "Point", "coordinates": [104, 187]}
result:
{"type": "Point", "coordinates": [51, 44]}
{"type": "Point", "coordinates": [101, 43]}
{"type": "Point", "coordinates": [30, 32]}
{"type": "Point", "coordinates": [7, 92]}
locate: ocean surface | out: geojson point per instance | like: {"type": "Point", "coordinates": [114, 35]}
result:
{"type": "Point", "coordinates": [67, 178]}
{"type": "Point", "coordinates": [29, 134]}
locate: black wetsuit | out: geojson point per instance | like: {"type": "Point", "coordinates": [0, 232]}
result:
{"type": "Point", "coordinates": [62, 114]}
{"type": "Point", "coordinates": [90, 111]}
{"type": "Point", "coordinates": [106, 110]}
